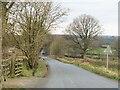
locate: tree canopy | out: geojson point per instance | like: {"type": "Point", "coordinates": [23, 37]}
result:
{"type": "Point", "coordinates": [28, 24]}
{"type": "Point", "coordinates": [83, 30]}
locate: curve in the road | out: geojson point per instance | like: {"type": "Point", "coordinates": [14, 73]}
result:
{"type": "Point", "coordinates": [63, 75]}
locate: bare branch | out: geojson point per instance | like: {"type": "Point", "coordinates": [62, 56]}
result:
{"type": "Point", "coordinates": [83, 30]}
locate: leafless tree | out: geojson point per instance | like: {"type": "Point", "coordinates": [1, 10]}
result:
{"type": "Point", "coordinates": [83, 30]}
{"type": "Point", "coordinates": [5, 6]}
{"type": "Point", "coordinates": [29, 23]}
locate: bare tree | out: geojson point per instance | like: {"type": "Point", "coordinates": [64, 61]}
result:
{"type": "Point", "coordinates": [6, 6]}
{"type": "Point", "coordinates": [29, 24]}
{"type": "Point", "coordinates": [83, 30]}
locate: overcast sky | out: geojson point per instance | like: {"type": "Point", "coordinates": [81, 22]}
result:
{"type": "Point", "coordinates": [106, 11]}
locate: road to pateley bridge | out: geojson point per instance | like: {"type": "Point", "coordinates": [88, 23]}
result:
{"type": "Point", "coordinates": [62, 75]}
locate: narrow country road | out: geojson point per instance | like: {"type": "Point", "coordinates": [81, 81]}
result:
{"type": "Point", "coordinates": [63, 75]}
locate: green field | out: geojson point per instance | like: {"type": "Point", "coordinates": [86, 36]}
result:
{"type": "Point", "coordinates": [100, 51]}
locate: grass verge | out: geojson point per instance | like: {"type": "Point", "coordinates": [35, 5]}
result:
{"type": "Point", "coordinates": [101, 70]}
{"type": "Point", "coordinates": [40, 72]}
{"type": "Point", "coordinates": [42, 69]}
{"type": "Point", "coordinates": [7, 87]}
{"type": "Point", "coordinates": [26, 72]}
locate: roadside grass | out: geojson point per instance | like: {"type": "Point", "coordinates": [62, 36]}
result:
{"type": "Point", "coordinates": [99, 70]}
{"type": "Point", "coordinates": [42, 69]}
{"type": "Point", "coordinates": [40, 72]}
{"type": "Point", "coordinates": [26, 72]}
{"type": "Point", "coordinates": [95, 66]}
{"type": "Point", "coordinates": [14, 88]}
{"type": "Point", "coordinates": [7, 87]}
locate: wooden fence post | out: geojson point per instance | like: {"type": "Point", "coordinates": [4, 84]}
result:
{"type": "Point", "coordinates": [5, 69]}
{"type": "Point", "coordinates": [4, 72]}
{"type": "Point", "coordinates": [13, 59]}
{"type": "Point", "coordinates": [12, 69]}
{"type": "Point", "coordinates": [18, 67]}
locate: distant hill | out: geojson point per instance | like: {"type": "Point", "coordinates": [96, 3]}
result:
{"type": "Point", "coordinates": [104, 39]}
{"type": "Point", "coordinates": [108, 39]}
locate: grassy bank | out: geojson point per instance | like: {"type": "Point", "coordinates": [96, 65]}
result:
{"type": "Point", "coordinates": [95, 66]}
{"type": "Point", "coordinates": [41, 70]}
{"type": "Point", "coordinates": [7, 87]}
{"type": "Point", "coordinates": [17, 88]}
{"type": "Point", "coordinates": [27, 73]}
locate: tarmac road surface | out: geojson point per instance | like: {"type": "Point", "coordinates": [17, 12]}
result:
{"type": "Point", "coordinates": [63, 75]}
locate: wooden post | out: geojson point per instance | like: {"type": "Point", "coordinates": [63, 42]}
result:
{"type": "Point", "coordinates": [12, 69]}
{"type": "Point", "coordinates": [4, 72]}
{"type": "Point", "coordinates": [107, 60]}
{"type": "Point", "coordinates": [13, 58]}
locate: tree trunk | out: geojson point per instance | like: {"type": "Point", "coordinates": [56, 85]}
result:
{"type": "Point", "coordinates": [13, 58]}
{"type": "Point", "coordinates": [35, 68]}
{"type": "Point", "coordinates": [32, 62]}
{"type": "Point", "coordinates": [29, 64]}
{"type": "Point", "coordinates": [33, 73]}
{"type": "Point", "coordinates": [83, 54]}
